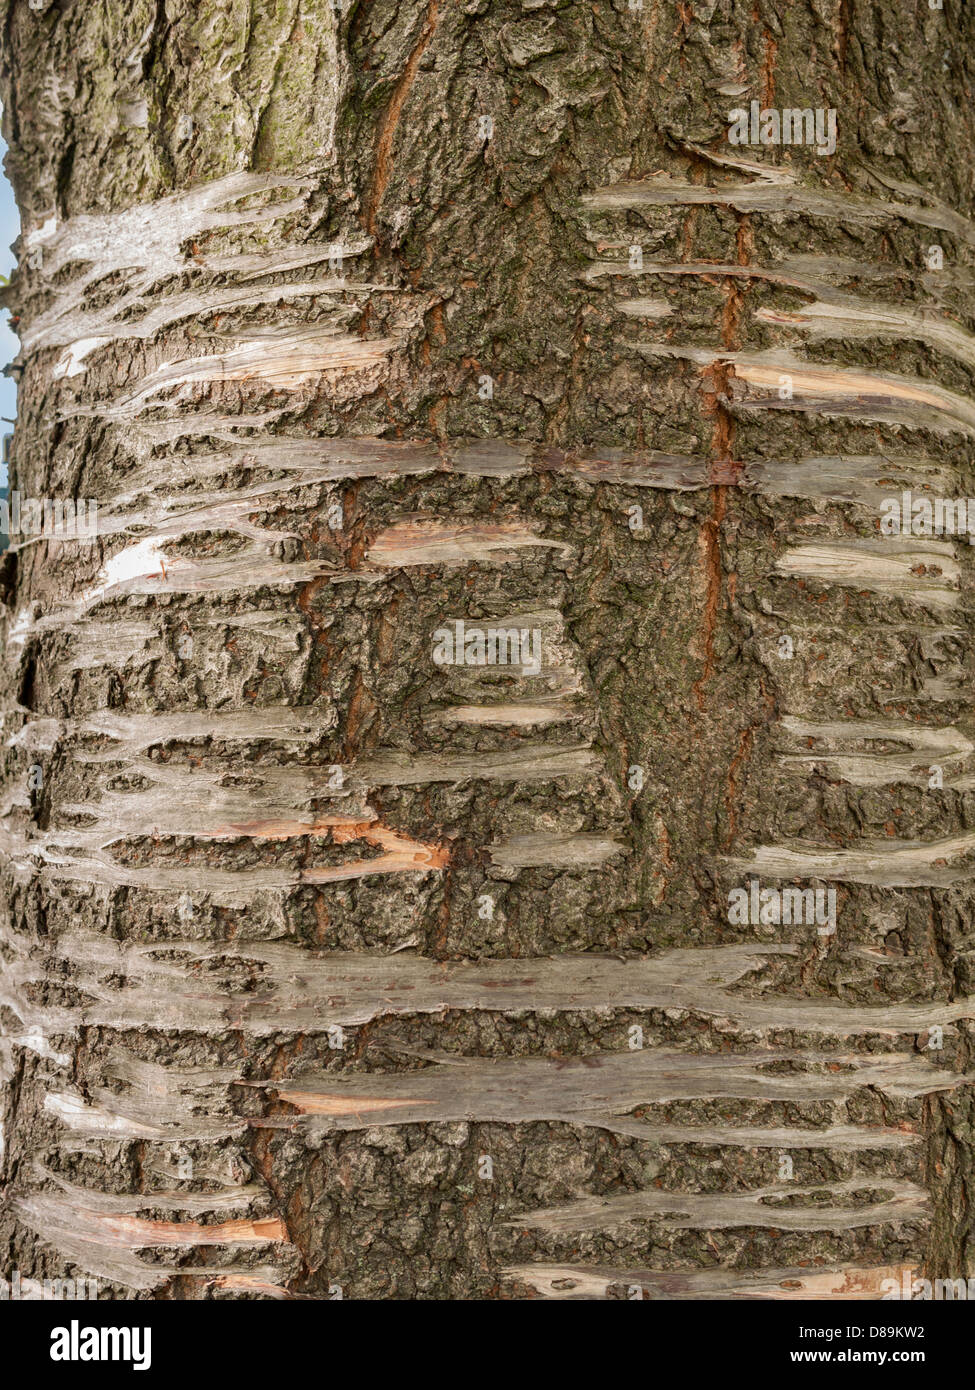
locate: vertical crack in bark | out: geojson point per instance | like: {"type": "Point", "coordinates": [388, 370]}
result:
{"type": "Point", "coordinates": [389, 125]}
{"type": "Point", "coordinates": [717, 390]}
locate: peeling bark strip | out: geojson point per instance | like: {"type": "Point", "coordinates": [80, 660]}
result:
{"type": "Point", "coordinates": [257, 987]}
{"type": "Point", "coordinates": [431, 544]}
{"type": "Point", "coordinates": [585, 1281]}
{"type": "Point", "coordinates": [288, 361]}
{"type": "Point", "coordinates": [383, 321]}
{"type": "Point", "coordinates": [145, 243]}
{"type": "Point", "coordinates": [949, 749]}
{"type": "Point", "coordinates": [859, 318]}
{"type": "Point", "coordinates": [889, 865]}
{"type": "Point", "coordinates": [779, 191]}
{"type": "Point", "coordinates": [107, 1243]}
{"type": "Point", "coordinates": [602, 1090]}
{"type": "Point", "coordinates": [773, 1206]}
{"type": "Point", "coordinates": [142, 1100]}
{"type": "Point", "coordinates": [833, 390]}
{"type": "Point", "coordinates": [890, 566]}
{"type": "Point", "coordinates": [554, 851]}
{"type": "Point", "coordinates": [833, 316]}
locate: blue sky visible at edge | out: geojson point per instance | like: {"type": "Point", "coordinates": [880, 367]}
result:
{"type": "Point", "coordinates": [9, 232]}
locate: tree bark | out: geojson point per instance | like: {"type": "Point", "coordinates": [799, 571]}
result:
{"type": "Point", "coordinates": [335, 969]}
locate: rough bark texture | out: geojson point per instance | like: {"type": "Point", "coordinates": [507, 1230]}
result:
{"type": "Point", "coordinates": [301, 927]}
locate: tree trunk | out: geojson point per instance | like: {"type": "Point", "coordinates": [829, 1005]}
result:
{"type": "Point", "coordinates": [351, 953]}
